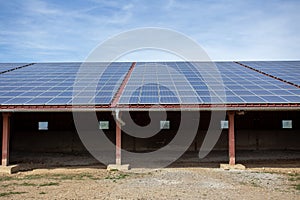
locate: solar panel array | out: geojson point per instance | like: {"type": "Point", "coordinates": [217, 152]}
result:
{"type": "Point", "coordinates": [9, 66]}
{"type": "Point", "coordinates": [55, 84]}
{"type": "Point", "coordinates": [253, 87]}
{"type": "Point", "coordinates": [285, 70]}
{"type": "Point", "coordinates": [149, 83]}
{"type": "Point", "coordinates": [162, 83]}
{"type": "Point", "coordinates": [203, 83]}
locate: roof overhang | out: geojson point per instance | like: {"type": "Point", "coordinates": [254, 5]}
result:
{"type": "Point", "coordinates": [185, 107]}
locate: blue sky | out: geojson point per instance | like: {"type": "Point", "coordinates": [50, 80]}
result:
{"type": "Point", "coordinates": [55, 30]}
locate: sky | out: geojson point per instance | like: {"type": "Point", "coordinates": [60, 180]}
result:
{"type": "Point", "coordinates": [55, 30]}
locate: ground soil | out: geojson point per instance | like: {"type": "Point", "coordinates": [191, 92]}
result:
{"type": "Point", "coordinates": [167, 183]}
{"type": "Point", "coordinates": [185, 179]}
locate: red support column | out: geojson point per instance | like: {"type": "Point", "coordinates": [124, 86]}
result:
{"type": "Point", "coordinates": [231, 142]}
{"type": "Point", "coordinates": [118, 142]}
{"type": "Point", "coordinates": [5, 139]}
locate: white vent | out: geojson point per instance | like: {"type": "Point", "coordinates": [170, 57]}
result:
{"type": "Point", "coordinates": [104, 125]}
{"type": "Point", "coordinates": [224, 124]}
{"type": "Point", "coordinates": [164, 124]}
{"type": "Point", "coordinates": [287, 124]}
{"type": "Point", "coordinates": [43, 126]}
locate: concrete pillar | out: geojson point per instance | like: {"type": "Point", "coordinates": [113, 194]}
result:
{"type": "Point", "coordinates": [118, 143]}
{"type": "Point", "coordinates": [118, 164]}
{"type": "Point", "coordinates": [5, 138]}
{"type": "Point", "coordinates": [231, 142]}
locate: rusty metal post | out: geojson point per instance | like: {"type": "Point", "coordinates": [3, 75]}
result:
{"type": "Point", "coordinates": [5, 138]}
{"type": "Point", "coordinates": [118, 143]}
{"type": "Point", "coordinates": [231, 141]}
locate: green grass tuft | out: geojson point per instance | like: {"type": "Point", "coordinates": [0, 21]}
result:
{"type": "Point", "coordinates": [27, 184]}
{"type": "Point", "coordinates": [3, 194]}
{"type": "Point", "coordinates": [116, 177]}
{"type": "Point", "coordinates": [33, 177]}
{"type": "Point", "coordinates": [49, 184]}
{"type": "Point", "coordinates": [294, 177]}
{"type": "Point", "coordinates": [72, 176]}
{"type": "Point", "coordinates": [6, 178]}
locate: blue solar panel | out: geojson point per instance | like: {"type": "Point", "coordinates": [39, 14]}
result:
{"type": "Point", "coordinates": [203, 83]}
{"type": "Point", "coordinates": [285, 70]}
{"type": "Point", "coordinates": [149, 100]}
{"type": "Point", "coordinates": [3, 100]}
{"type": "Point", "coordinates": [274, 99]}
{"type": "Point", "coordinates": [38, 101]}
{"type": "Point", "coordinates": [252, 99]}
{"type": "Point", "coordinates": [59, 101]}
{"type": "Point", "coordinates": [166, 93]}
{"type": "Point", "coordinates": [190, 99]}
{"type": "Point", "coordinates": [162, 83]}
{"type": "Point", "coordinates": [65, 94]}
{"type": "Point", "coordinates": [17, 101]}
{"type": "Point", "coordinates": [292, 99]}
{"type": "Point", "coordinates": [149, 83]}
{"type": "Point", "coordinates": [82, 100]}
{"type": "Point", "coordinates": [234, 99]}
{"type": "Point", "coordinates": [49, 94]}
{"type": "Point", "coordinates": [103, 100]}
{"type": "Point", "coordinates": [170, 100]}
{"type": "Point", "coordinates": [9, 94]}
{"type": "Point", "coordinates": [30, 94]}
{"type": "Point", "coordinates": [44, 82]}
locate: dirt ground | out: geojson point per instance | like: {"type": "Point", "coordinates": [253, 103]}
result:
{"type": "Point", "coordinates": [64, 177]}
{"type": "Point", "coordinates": [167, 183]}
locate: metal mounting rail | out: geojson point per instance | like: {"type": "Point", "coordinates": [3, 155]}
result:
{"type": "Point", "coordinates": [122, 86]}
{"type": "Point", "coordinates": [9, 70]}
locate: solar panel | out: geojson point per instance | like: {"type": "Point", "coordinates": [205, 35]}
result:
{"type": "Point", "coordinates": [55, 84]}
{"type": "Point", "coordinates": [160, 83]}
{"type": "Point", "coordinates": [9, 66]}
{"type": "Point", "coordinates": [59, 101]}
{"type": "Point", "coordinates": [203, 83]}
{"type": "Point", "coordinates": [285, 70]}
{"type": "Point", "coordinates": [149, 83]}
{"type": "Point", "coordinates": [253, 87]}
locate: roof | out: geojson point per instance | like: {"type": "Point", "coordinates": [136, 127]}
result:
{"type": "Point", "coordinates": [144, 85]}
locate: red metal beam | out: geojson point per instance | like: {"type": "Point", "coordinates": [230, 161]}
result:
{"type": "Point", "coordinates": [210, 105]}
{"type": "Point", "coordinates": [118, 142]}
{"type": "Point", "coordinates": [122, 86]}
{"type": "Point", "coordinates": [231, 142]}
{"type": "Point", "coordinates": [92, 107]}
{"type": "Point", "coordinates": [5, 139]}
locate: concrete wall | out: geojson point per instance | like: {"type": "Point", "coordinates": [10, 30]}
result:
{"type": "Point", "coordinates": [254, 131]}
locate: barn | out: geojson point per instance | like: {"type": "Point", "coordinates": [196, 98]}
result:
{"type": "Point", "coordinates": [245, 106]}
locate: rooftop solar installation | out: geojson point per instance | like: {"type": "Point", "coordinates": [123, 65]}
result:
{"type": "Point", "coordinates": [204, 83]}
{"type": "Point", "coordinates": [167, 83]}
{"type": "Point", "coordinates": [4, 67]}
{"type": "Point", "coordinates": [285, 70]}
{"type": "Point", "coordinates": [55, 83]}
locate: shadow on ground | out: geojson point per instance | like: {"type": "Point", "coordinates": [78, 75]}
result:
{"type": "Point", "coordinates": [251, 159]}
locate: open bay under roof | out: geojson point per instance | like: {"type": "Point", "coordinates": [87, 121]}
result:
{"type": "Point", "coordinates": [141, 85]}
